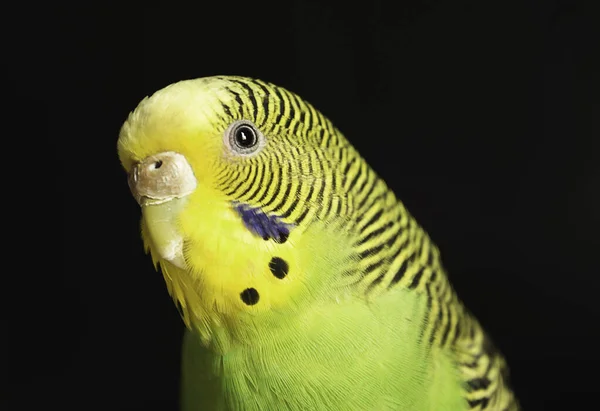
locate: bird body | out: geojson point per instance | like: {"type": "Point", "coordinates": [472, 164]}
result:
{"type": "Point", "coordinates": [303, 281]}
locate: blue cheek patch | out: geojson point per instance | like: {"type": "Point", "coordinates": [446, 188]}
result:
{"type": "Point", "coordinates": [265, 226]}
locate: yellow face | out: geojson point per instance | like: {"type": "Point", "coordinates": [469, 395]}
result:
{"type": "Point", "coordinates": [228, 171]}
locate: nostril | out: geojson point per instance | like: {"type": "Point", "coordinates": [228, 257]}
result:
{"type": "Point", "coordinates": [158, 164]}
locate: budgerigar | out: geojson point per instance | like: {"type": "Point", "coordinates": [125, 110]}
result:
{"type": "Point", "coordinates": [303, 281]}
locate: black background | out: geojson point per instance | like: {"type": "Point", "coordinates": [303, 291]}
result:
{"type": "Point", "coordinates": [479, 114]}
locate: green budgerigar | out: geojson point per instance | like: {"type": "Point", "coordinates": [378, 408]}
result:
{"type": "Point", "coordinates": [303, 281]}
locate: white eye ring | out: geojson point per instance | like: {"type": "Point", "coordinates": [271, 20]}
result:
{"type": "Point", "coordinates": [243, 138]}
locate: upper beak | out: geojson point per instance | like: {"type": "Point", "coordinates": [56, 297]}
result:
{"type": "Point", "coordinates": [160, 178]}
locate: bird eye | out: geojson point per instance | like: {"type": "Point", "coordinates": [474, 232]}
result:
{"type": "Point", "coordinates": [243, 138]}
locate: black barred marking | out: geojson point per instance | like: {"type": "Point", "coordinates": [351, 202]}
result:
{"type": "Point", "coordinates": [292, 113]}
{"type": "Point", "coordinates": [266, 92]}
{"type": "Point", "coordinates": [309, 163]}
{"type": "Point", "coordinates": [372, 204]}
{"type": "Point", "coordinates": [433, 277]}
{"type": "Point", "coordinates": [429, 303]}
{"type": "Point", "coordinates": [339, 207]}
{"type": "Point", "coordinates": [401, 246]}
{"type": "Point", "coordinates": [360, 173]}
{"type": "Point", "coordinates": [489, 364]}
{"type": "Point", "coordinates": [303, 118]}
{"type": "Point", "coordinates": [309, 118]}
{"type": "Point", "coordinates": [226, 109]}
{"type": "Point", "coordinates": [328, 204]}
{"type": "Point", "coordinates": [333, 184]}
{"type": "Point", "coordinates": [430, 258]}
{"type": "Point", "coordinates": [348, 165]}
{"type": "Point", "coordinates": [322, 134]}
{"type": "Point", "coordinates": [269, 183]}
{"type": "Point", "coordinates": [473, 364]}
{"type": "Point", "coordinates": [400, 273]}
{"type": "Point", "coordinates": [321, 191]}
{"type": "Point", "coordinates": [298, 106]}
{"type": "Point", "coordinates": [258, 169]}
{"type": "Point", "coordinates": [477, 384]}
{"type": "Point", "coordinates": [250, 95]}
{"type": "Point", "coordinates": [261, 170]}
{"type": "Point", "coordinates": [331, 140]}
{"type": "Point", "coordinates": [288, 189]}
{"type": "Point", "coordinates": [307, 205]}
{"type": "Point", "coordinates": [372, 185]}
{"type": "Point", "coordinates": [314, 118]}
{"type": "Point", "coordinates": [436, 324]}
{"type": "Point", "coordinates": [375, 233]}
{"type": "Point", "coordinates": [375, 282]}
{"type": "Point", "coordinates": [281, 106]}
{"type": "Point", "coordinates": [302, 216]}
{"type": "Point", "coordinates": [442, 287]}
{"type": "Point", "coordinates": [417, 278]}
{"type": "Point", "coordinates": [293, 205]}
{"type": "Point", "coordinates": [483, 402]}
{"type": "Point", "coordinates": [371, 251]}
{"type": "Point", "coordinates": [281, 172]}
{"type": "Point", "coordinates": [285, 196]}
{"type": "Point", "coordinates": [231, 177]}
{"type": "Point", "coordinates": [455, 316]}
{"type": "Point", "coordinates": [309, 197]}
{"type": "Point", "coordinates": [372, 220]}
{"type": "Point", "coordinates": [391, 241]}
{"type": "Point", "coordinates": [238, 98]}
{"type": "Point", "coordinates": [457, 333]}
{"type": "Point", "coordinates": [231, 191]}
{"type": "Point", "coordinates": [447, 327]}
{"type": "Point", "coordinates": [372, 267]}
{"type": "Point", "coordinates": [265, 105]}
{"type": "Point", "coordinates": [295, 127]}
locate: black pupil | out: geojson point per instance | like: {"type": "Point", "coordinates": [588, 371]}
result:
{"type": "Point", "coordinates": [245, 137]}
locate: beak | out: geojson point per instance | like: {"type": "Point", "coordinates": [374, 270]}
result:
{"type": "Point", "coordinates": [160, 178]}
{"type": "Point", "coordinates": [160, 184]}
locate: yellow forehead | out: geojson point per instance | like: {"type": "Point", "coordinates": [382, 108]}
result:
{"type": "Point", "coordinates": [185, 117]}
